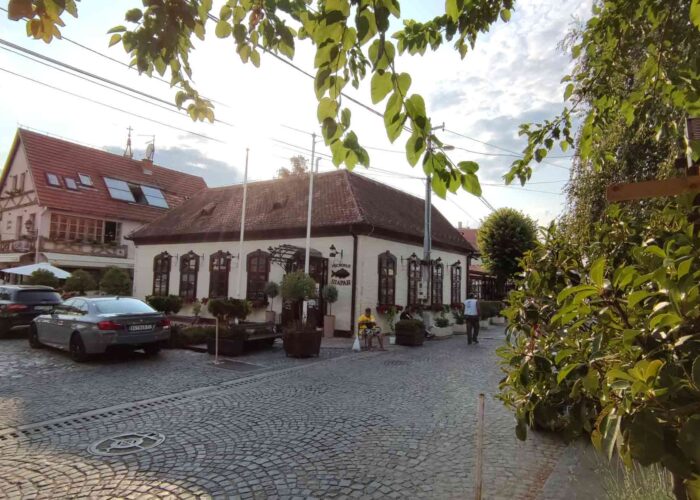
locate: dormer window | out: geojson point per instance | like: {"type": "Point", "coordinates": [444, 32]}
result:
{"type": "Point", "coordinates": [85, 179]}
{"type": "Point", "coordinates": [70, 183]}
{"type": "Point", "coordinates": [53, 180]}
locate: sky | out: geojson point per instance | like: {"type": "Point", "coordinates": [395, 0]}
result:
{"type": "Point", "coordinates": [512, 77]}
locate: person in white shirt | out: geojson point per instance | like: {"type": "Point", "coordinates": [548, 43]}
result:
{"type": "Point", "coordinates": [471, 315]}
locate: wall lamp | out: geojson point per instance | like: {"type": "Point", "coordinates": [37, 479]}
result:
{"type": "Point", "coordinates": [334, 252]}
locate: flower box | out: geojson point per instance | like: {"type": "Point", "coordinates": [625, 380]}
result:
{"type": "Point", "coordinates": [441, 333]}
{"type": "Point", "coordinates": [459, 329]}
{"type": "Point", "coordinates": [409, 332]}
{"type": "Point", "coordinates": [302, 343]}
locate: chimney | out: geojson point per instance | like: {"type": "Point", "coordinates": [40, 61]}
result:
{"type": "Point", "coordinates": [459, 224]}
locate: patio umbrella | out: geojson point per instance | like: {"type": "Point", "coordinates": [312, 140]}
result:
{"type": "Point", "coordinates": [29, 269]}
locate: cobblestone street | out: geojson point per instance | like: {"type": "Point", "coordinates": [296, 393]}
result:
{"type": "Point", "coordinates": [396, 424]}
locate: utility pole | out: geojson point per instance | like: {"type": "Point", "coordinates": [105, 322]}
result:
{"type": "Point", "coordinates": [308, 218]}
{"type": "Point", "coordinates": [428, 222]}
{"type": "Point", "coordinates": [242, 231]}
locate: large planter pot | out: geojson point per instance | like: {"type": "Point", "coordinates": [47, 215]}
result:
{"type": "Point", "coordinates": [409, 333]}
{"type": "Point", "coordinates": [441, 333]}
{"type": "Point", "coordinates": [328, 326]}
{"type": "Point", "coordinates": [498, 320]}
{"type": "Point", "coordinates": [484, 323]}
{"type": "Point", "coordinates": [302, 343]}
{"type": "Point", "coordinates": [459, 329]}
{"type": "Point", "coordinates": [227, 347]}
{"type": "Point", "coordinates": [270, 317]}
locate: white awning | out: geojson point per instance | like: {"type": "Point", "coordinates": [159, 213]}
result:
{"type": "Point", "coordinates": [88, 261]}
{"type": "Point", "coordinates": [10, 257]}
{"type": "Point", "coordinates": [29, 269]}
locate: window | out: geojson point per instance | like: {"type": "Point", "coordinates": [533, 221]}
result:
{"type": "Point", "coordinates": [14, 182]}
{"type": "Point", "coordinates": [85, 179]}
{"type": "Point", "coordinates": [161, 273]}
{"type": "Point", "coordinates": [387, 279]}
{"type": "Point", "coordinates": [18, 229]}
{"type": "Point", "coordinates": [119, 190]}
{"type": "Point", "coordinates": [413, 281]}
{"type": "Point", "coordinates": [122, 305]}
{"type": "Point", "coordinates": [22, 178]}
{"type": "Point", "coordinates": [113, 231]}
{"type": "Point", "coordinates": [189, 267]}
{"type": "Point", "coordinates": [69, 228]}
{"type": "Point", "coordinates": [436, 283]}
{"type": "Point", "coordinates": [53, 180]}
{"type": "Point", "coordinates": [154, 197]}
{"type": "Point", "coordinates": [70, 183]}
{"type": "Point", "coordinates": [456, 283]}
{"type": "Point", "coordinates": [258, 271]}
{"type": "Point", "coordinates": [219, 267]}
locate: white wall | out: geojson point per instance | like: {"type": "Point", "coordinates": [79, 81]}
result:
{"type": "Point", "coordinates": [8, 219]}
{"type": "Point", "coordinates": [369, 249]}
{"type": "Point", "coordinates": [143, 270]}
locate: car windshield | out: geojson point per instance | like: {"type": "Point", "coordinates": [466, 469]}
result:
{"type": "Point", "coordinates": [122, 306]}
{"type": "Point", "coordinates": [38, 296]}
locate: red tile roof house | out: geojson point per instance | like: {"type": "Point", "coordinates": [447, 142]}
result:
{"type": "Point", "coordinates": [481, 283]}
{"type": "Point", "coordinates": [367, 240]}
{"type": "Point", "coordinates": [73, 205]}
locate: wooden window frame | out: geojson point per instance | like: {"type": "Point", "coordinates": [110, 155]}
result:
{"type": "Point", "coordinates": [386, 279]}
{"type": "Point", "coordinates": [214, 278]}
{"type": "Point", "coordinates": [253, 277]}
{"type": "Point", "coordinates": [456, 283]}
{"type": "Point", "coordinates": [437, 280]}
{"type": "Point", "coordinates": [186, 271]}
{"type": "Point", "coordinates": [161, 266]}
{"type": "Point", "coordinates": [414, 278]}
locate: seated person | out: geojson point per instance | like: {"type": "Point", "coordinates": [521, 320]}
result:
{"type": "Point", "coordinates": [368, 329]}
{"type": "Point", "coordinates": [414, 313]}
{"type": "Point", "coordinates": [406, 314]}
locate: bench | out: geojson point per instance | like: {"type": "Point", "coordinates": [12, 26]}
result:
{"type": "Point", "coordinates": [242, 336]}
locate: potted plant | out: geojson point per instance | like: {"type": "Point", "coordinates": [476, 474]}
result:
{"type": "Point", "coordinates": [460, 325]}
{"type": "Point", "coordinates": [300, 340]}
{"type": "Point", "coordinates": [409, 332]}
{"type": "Point", "coordinates": [196, 310]}
{"type": "Point", "coordinates": [330, 296]}
{"type": "Point", "coordinates": [485, 312]}
{"type": "Point", "coordinates": [441, 329]}
{"type": "Point", "coordinates": [271, 290]}
{"type": "Point", "coordinates": [167, 304]}
{"type": "Point", "coordinates": [227, 311]}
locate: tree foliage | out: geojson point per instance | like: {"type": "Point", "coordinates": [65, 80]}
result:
{"type": "Point", "coordinates": [503, 238]}
{"type": "Point", "coordinates": [80, 281]}
{"type": "Point", "coordinates": [115, 281]}
{"type": "Point", "coordinates": [167, 304]}
{"type": "Point", "coordinates": [603, 339]}
{"type": "Point", "coordinates": [42, 277]}
{"type": "Point", "coordinates": [298, 167]}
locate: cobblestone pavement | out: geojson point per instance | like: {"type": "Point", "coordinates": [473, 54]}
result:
{"type": "Point", "coordinates": [397, 424]}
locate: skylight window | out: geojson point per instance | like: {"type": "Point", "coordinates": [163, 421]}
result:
{"type": "Point", "coordinates": [70, 183]}
{"type": "Point", "coordinates": [154, 197]}
{"type": "Point", "coordinates": [85, 179]}
{"type": "Point", "coordinates": [53, 179]}
{"type": "Point", "coordinates": [119, 190]}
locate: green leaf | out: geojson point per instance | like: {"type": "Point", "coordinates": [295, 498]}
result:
{"type": "Point", "coordinates": [566, 292]}
{"type": "Point", "coordinates": [114, 39]}
{"type": "Point", "coordinates": [414, 148]}
{"type": "Point", "coordinates": [695, 12]}
{"type": "Point", "coordinates": [380, 86]}
{"type": "Point", "coordinates": [439, 186]}
{"type": "Point", "coordinates": [223, 29]}
{"type": "Point", "coordinates": [569, 90]}
{"type": "Point", "coordinates": [655, 250]}
{"type": "Point", "coordinates": [684, 267]}
{"type": "Point", "coordinates": [327, 108]}
{"type": "Point", "coordinates": [470, 183]}
{"type": "Point", "coordinates": [505, 15]}
{"type": "Point", "coordinates": [566, 370]}
{"type": "Point", "coordinates": [610, 430]}
{"type": "Point", "coordinates": [597, 272]}
{"type": "Point", "coordinates": [452, 10]}
{"type": "Point", "coordinates": [646, 438]}
{"type": "Point", "coordinates": [636, 297]}
{"type": "Point", "coordinates": [403, 83]}
{"type": "Point", "coordinates": [468, 167]}
{"type": "Point", "coordinates": [696, 372]}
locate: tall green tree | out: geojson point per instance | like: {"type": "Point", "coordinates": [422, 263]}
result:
{"type": "Point", "coordinates": [503, 239]}
{"type": "Point", "coordinates": [42, 277]}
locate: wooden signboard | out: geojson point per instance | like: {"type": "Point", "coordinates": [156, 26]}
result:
{"type": "Point", "coordinates": [653, 189]}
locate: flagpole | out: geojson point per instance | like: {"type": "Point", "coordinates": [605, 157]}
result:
{"type": "Point", "coordinates": [308, 218]}
{"type": "Point", "coordinates": [242, 232]}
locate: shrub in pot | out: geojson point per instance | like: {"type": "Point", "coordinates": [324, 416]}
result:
{"type": "Point", "coordinates": [442, 328]}
{"type": "Point", "coordinates": [271, 291]}
{"type": "Point", "coordinates": [460, 325]}
{"type": "Point", "coordinates": [226, 311]}
{"type": "Point", "coordinates": [300, 340]}
{"type": "Point", "coordinates": [115, 281]}
{"type": "Point", "coordinates": [330, 297]}
{"type": "Point", "coordinates": [409, 332]}
{"type": "Point", "coordinates": [167, 304]}
{"type": "Point", "coordinates": [80, 281]}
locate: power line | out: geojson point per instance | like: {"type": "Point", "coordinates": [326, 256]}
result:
{"type": "Point", "coordinates": [497, 147]}
{"type": "Point", "coordinates": [58, 89]}
{"type": "Point", "coordinates": [97, 77]}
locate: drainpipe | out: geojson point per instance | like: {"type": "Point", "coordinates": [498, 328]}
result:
{"type": "Point", "coordinates": [38, 234]}
{"type": "Point", "coordinates": [354, 284]}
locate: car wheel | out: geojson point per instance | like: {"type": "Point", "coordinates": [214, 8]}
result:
{"type": "Point", "coordinates": [77, 349]}
{"type": "Point", "coordinates": [34, 337]}
{"type": "Point", "coordinates": [151, 349]}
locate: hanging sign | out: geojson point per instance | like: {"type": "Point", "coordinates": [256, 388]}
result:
{"type": "Point", "coordinates": [340, 274]}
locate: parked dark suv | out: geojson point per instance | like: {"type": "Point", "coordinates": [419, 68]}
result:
{"type": "Point", "coordinates": [20, 304]}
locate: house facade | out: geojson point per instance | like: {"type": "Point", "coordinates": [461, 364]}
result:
{"type": "Point", "coordinates": [73, 206]}
{"type": "Point", "coordinates": [366, 239]}
{"type": "Point", "coordinates": [481, 283]}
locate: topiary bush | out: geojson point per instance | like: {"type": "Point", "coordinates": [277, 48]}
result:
{"type": "Point", "coordinates": [271, 291]}
{"type": "Point", "coordinates": [42, 277]}
{"type": "Point", "coordinates": [115, 281]}
{"type": "Point", "coordinates": [167, 304]}
{"type": "Point", "coordinates": [330, 296]}
{"type": "Point", "coordinates": [298, 287]}
{"type": "Point", "coordinates": [80, 281]}
{"type": "Point", "coordinates": [226, 310]}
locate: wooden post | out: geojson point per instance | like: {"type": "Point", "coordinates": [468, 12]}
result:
{"type": "Point", "coordinates": [479, 447]}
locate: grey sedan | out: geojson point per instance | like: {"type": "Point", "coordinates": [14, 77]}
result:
{"type": "Point", "coordinates": [91, 325]}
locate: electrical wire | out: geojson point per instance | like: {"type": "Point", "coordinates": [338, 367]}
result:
{"type": "Point", "coordinates": [58, 89]}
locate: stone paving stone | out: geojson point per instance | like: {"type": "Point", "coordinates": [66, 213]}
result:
{"type": "Point", "coordinates": [360, 426]}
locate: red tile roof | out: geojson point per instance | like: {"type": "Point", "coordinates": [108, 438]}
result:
{"type": "Point", "coordinates": [469, 234]}
{"type": "Point", "coordinates": [343, 202]}
{"type": "Point", "coordinates": [66, 159]}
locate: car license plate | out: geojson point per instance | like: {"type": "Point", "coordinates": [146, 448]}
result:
{"type": "Point", "coordinates": [43, 308]}
{"type": "Point", "coordinates": [140, 328]}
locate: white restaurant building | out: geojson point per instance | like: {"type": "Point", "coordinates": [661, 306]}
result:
{"type": "Point", "coordinates": [366, 239]}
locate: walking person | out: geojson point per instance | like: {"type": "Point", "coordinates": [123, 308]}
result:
{"type": "Point", "coordinates": [471, 316]}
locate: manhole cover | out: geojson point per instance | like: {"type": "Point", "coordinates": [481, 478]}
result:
{"type": "Point", "coordinates": [238, 366]}
{"type": "Point", "coordinates": [395, 362]}
{"type": "Point", "coordinates": [123, 444]}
